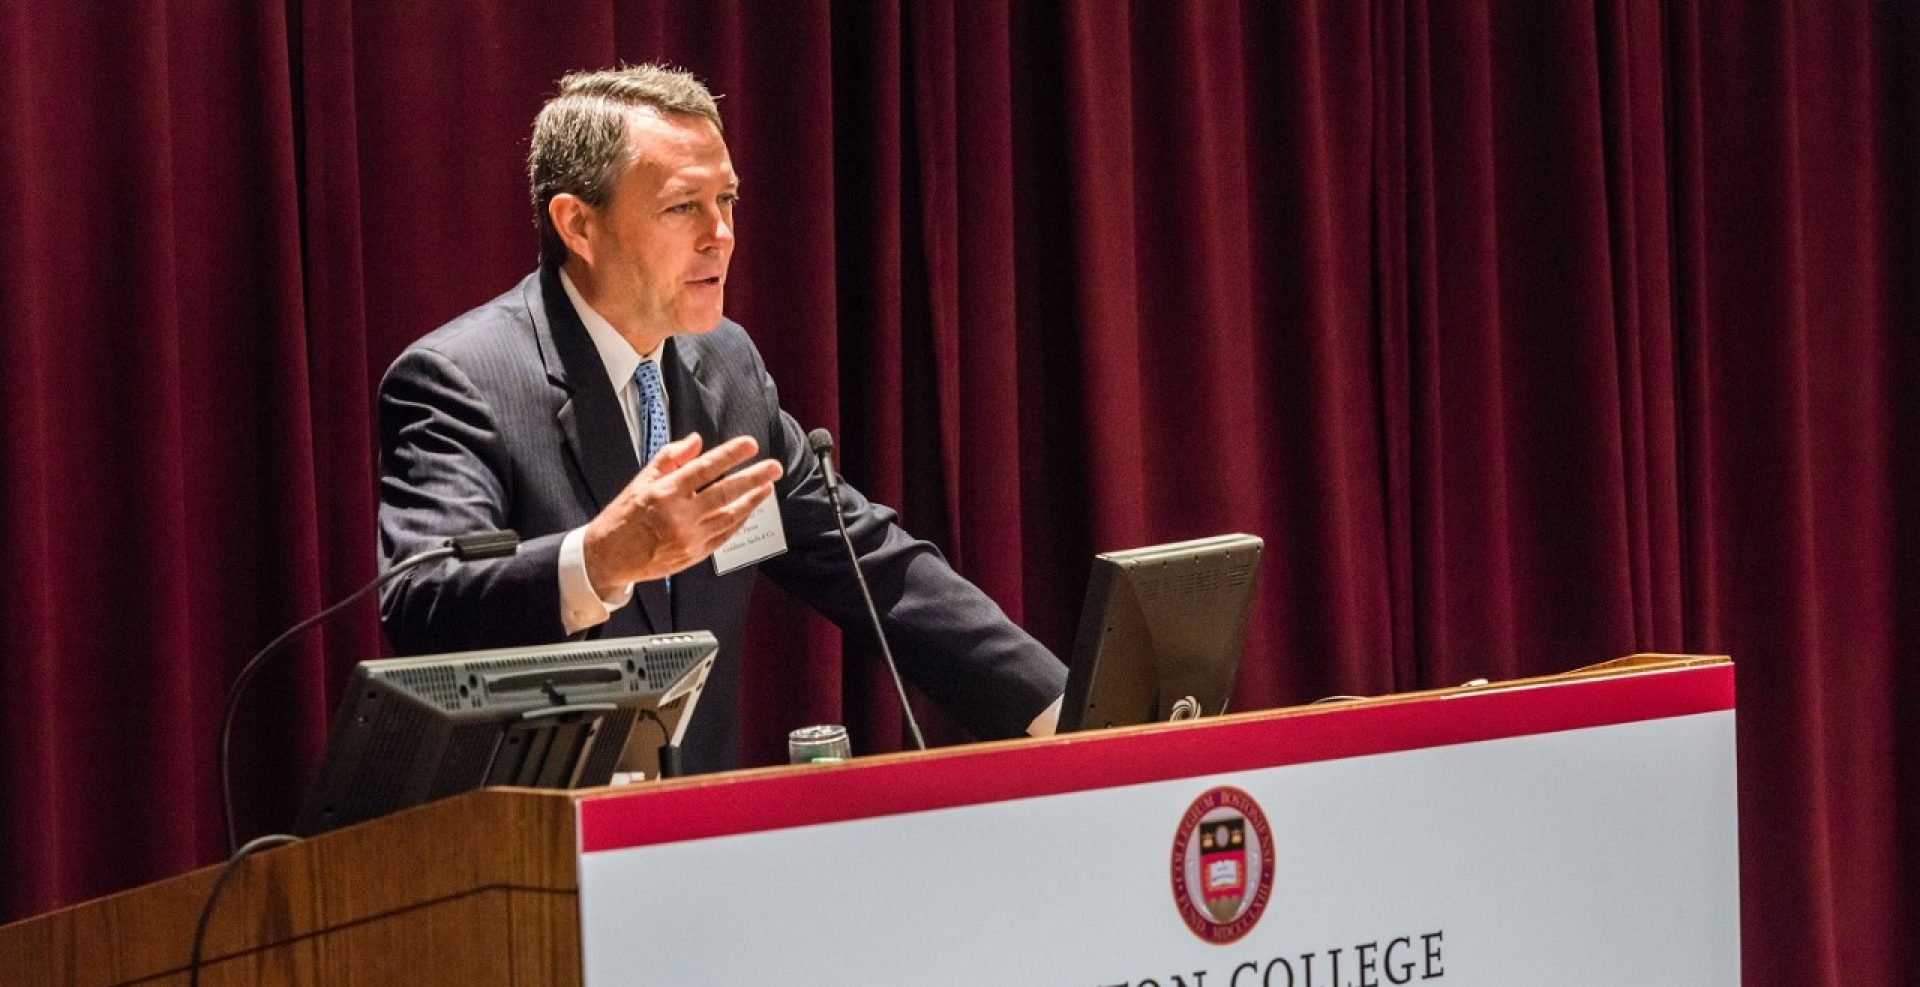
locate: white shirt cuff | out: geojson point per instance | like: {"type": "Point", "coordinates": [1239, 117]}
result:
{"type": "Point", "coordinates": [1048, 720]}
{"type": "Point", "coordinates": [580, 607]}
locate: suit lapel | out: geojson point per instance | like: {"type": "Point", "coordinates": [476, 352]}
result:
{"type": "Point", "coordinates": [595, 430]}
{"type": "Point", "coordinates": [590, 420]}
{"type": "Point", "coordinates": [693, 406]}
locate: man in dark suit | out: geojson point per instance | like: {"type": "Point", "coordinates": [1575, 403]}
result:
{"type": "Point", "coordinates": [537, 410]}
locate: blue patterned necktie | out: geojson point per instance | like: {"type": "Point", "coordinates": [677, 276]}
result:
{"type": "Point", "coordinates": [653, 420]}
{"type": "Point", "coordinates": [653, 410]}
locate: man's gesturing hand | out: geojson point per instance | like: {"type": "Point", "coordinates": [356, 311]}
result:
{"type": "Point", "coordinates": [676, 512]}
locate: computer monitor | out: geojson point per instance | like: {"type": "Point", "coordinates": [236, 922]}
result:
{"type": "Point", "coordinates": [1161, 633]}
{"type": "Point", "coordinates": [413, 730]}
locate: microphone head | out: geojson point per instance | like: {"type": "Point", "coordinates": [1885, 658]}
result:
{"type": "Point", "coordinates": [820, 441]}
{"type": "Point", "coordinates": [484, 545]}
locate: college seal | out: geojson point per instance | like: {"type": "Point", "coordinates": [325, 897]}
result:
{"type": "Point", "coordinates": [1222, 865]}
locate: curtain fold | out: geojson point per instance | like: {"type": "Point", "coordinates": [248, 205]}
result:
{"type": "Point", "coordinates": [1792, 381]}
{"type": "Point", "coordinates": [1526, 335]}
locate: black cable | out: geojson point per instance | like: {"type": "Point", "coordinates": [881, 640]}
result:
{"type": "Point", "coordinates": [667, 764]}
{"type": "Point", "coordinates": [467, 548]}
{"type": "Point", "coordinates": [873, 613]}
{"type": "Point", "coordinates": [821, 442]}
{"type": "Point", "coordinates": [253, 846]}
{"type": "Point", "coordinates": [477, 545]}
{"type": "Point", "coordinates": [253, 665]}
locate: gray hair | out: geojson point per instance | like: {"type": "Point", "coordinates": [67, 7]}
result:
{"type": "Point", "coordinates": [580, 137]}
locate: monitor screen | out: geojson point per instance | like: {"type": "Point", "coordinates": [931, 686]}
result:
{"type": "Point", "coordinates": [1161, 633]}
{"type": "Point", "coordinates": [413, 730]}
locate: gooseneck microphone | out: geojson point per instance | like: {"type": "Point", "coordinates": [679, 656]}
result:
{"type": "Point", "coordinates": [821, 441]}
{"type": "Point", "coordinates": [466, 548]}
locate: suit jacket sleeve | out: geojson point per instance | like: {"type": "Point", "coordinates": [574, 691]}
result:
{"type": "Point", "coordinates": [950, 638]}
{"type": "Point", "coordinates": [444, 473]}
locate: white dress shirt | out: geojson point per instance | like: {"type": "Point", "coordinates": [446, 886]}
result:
{"type": "Point", "coordinates": [580, 606]}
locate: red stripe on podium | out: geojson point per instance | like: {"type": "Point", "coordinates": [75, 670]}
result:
{"type": "Point", "coordinates": [952, 777]}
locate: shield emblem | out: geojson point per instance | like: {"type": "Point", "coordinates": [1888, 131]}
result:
{"type": "Point", "coordinates": [1223, 866]}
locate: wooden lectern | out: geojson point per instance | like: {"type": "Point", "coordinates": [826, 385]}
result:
{"type": "Point", "coordinates": [470, 891]}
{"type": "Point", "coordinates": [1228, 851]}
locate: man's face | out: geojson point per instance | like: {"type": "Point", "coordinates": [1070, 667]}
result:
{"type": "Point", "coordinates": [661, 244]}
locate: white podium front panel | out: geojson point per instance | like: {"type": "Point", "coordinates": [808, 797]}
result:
{"type": "Point", "coordinates": [1576, 832]}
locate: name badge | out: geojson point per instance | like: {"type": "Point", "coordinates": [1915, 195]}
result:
{"type": "Point", "coordinates": [761, 538]}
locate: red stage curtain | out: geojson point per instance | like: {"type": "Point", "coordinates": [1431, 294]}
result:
{"type": "Point", "coordinates": [1526, 334]}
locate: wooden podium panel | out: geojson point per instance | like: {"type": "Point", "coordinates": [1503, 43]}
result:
{"type": "Point", "coordinates": [474, 891]}
{"type": "Point", "coordinates": [708, 879]}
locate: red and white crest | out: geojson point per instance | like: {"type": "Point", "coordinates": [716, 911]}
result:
{"type": "Point", "coordinates": [1222, 865]}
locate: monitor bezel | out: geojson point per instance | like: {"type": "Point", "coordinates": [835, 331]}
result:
{"type": "Point", "coordinates": [1110, 676]}
{"type": "Point", "coordinates": [566, 715]}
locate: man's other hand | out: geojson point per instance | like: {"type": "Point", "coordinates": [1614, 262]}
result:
{"type": "Point", "coordinates": [680, 509]}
